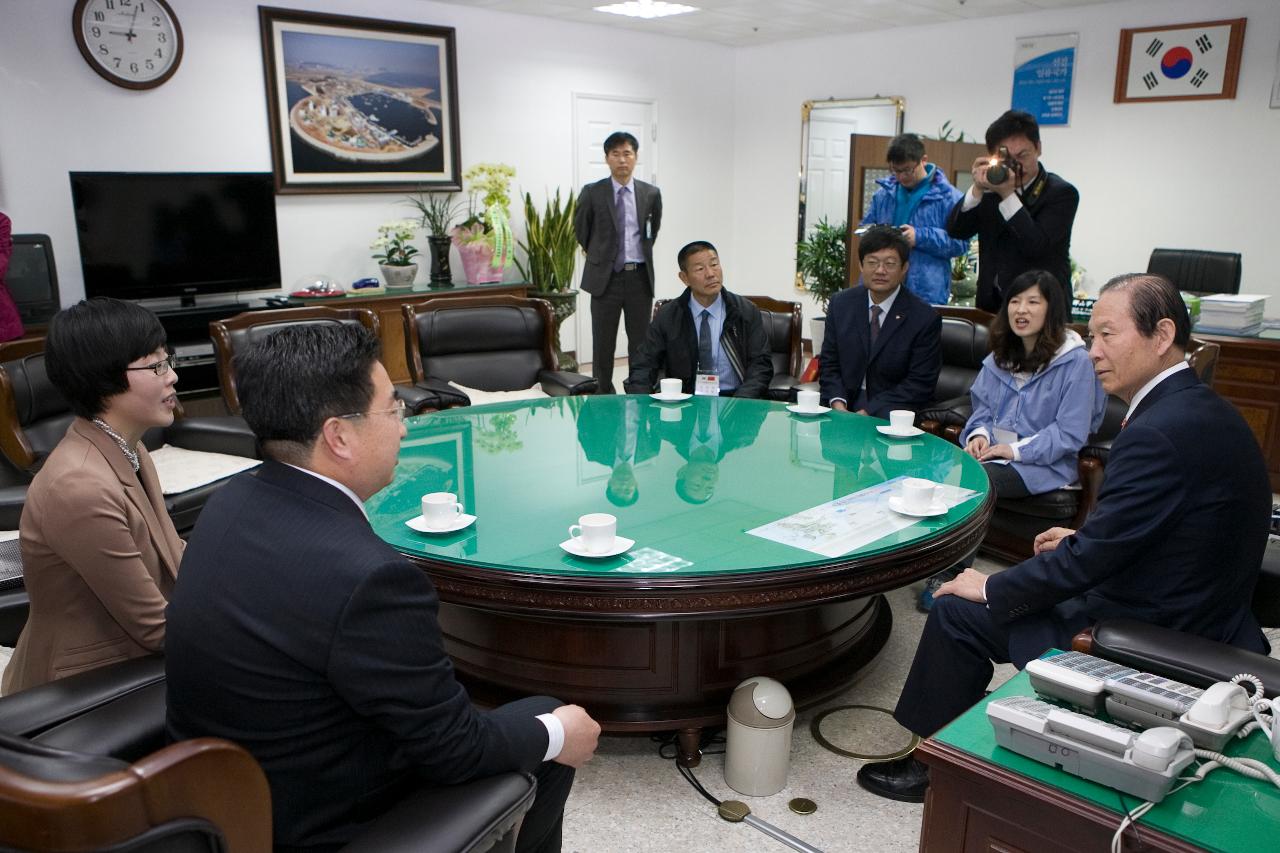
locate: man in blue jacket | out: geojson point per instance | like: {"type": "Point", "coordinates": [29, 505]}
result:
{"type": "Point", "coordinates": [1176, 539]}
{"type": "Point", "coordinates": [916, 197]}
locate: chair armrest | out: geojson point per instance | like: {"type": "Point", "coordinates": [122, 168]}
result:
{"type": "Point", "coordinates": [1098, 450]}
{"type": "Point", "coordinates": [953, 412]}
{"type": "Point", "coordinates": [37, 709]}
{"type": "Point", "coordinates": [128, 727]}
{"type": "Point", "coordinates": [15, 604]}
{"type": "Point", "coordinates": [470, 818]}
{"type": "Point", "coordinates": [559, 383]}
{"type": "Point", "coordinates": [1174, 654]}
{"type": "Point", "coordinates": [446, 395]}
{"type": "Point", "coordinates": [12, 500]}
{"type": "Point", "coordinates": [418, 400]}
{"type": "Point", "coordinates": [782, 387]}
{"type": "Point", "coordinates": [229, 434]}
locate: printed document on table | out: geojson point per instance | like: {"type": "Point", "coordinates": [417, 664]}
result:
{"type": "Point", "coordinates": [851, 522]}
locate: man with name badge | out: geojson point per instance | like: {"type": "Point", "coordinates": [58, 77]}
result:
{"type": "Point", "coordinates": [1176, 539]}
{"type": "Point", "coordinates": [883, 345]}
{"type": "Point", "coordinates": [712, 340]}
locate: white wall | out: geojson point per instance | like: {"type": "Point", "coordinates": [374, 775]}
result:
{"type": "Point", "coordinates": [517, 76]}
{"type": "Point", "coordinates": [1184, 174]}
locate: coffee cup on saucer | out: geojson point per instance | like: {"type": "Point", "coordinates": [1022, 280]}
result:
{"type": "Point", "coordinates": [670, 387]}
{"type": "Point", "coordinates": [902, 420]}
{"type": "Point", "coordinates": [918, 495]}
{"type": "Point", "coordinates": [596, 531]}
{"type": "Point", "coordinates": [440, 508]}
{"type": "Point", "coordinates": [807, 400]}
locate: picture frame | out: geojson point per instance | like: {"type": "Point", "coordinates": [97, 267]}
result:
{"type": "Point", "coordinates": [1180, 62]}
{"type": "Point", "coordinates": [358, 104]}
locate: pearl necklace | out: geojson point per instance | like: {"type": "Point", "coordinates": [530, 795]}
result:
{"type": "Point", "coordinates": [129, 452]}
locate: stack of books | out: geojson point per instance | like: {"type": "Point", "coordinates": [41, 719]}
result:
{"type": "Point", "coordinates": [1231, 314]}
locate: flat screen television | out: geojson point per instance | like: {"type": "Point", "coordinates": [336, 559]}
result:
{"type": "Point", "coordinates": [162, 234]}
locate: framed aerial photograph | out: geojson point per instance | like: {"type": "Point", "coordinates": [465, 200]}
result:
{"type": "Point", "coordinates": [360, 105]}
{"type": "Point", "coordinates": [1180, 62]}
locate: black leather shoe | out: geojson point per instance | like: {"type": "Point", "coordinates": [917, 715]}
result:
{"type": "Point", "coordinates": [904, 779]}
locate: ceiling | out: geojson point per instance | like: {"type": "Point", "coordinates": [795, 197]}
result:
{"type": "Point", "coordinates": [740, 23]}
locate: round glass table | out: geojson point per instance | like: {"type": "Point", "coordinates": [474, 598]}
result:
{"type": "Point", "coordinates": [762, 542]}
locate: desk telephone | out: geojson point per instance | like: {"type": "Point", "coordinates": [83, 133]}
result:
{"type": "Point", "coordinates": [1181, 723]}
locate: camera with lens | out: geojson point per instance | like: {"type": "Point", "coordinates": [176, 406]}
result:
{"type": "Point", "coordinates": [1001, 165]}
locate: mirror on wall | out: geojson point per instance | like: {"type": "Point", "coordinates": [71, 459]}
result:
{"type": "Point", "coordinates": [825, 131]}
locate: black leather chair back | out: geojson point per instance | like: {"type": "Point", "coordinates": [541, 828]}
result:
{"type": "Point", "coordinates": [40, 413]}
{"type": "Point", "coordinates": [1197, 271]}
{"type": "Point", "coordinates": [783, 324]}
{"type": "Point", "coordinates": [491, 347]}
{"type": "Point", "coordinates": [964, 345]}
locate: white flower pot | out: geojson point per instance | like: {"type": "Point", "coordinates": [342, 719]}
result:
{"type": "Point", "coordinates": [399, 276]}
{"type": "Point", "coordinates": [817, 328]}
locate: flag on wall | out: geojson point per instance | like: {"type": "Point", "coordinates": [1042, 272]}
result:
{"type": "Point", "coordinates": [1188, 61]}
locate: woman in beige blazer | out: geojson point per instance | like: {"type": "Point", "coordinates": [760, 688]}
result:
{"type": "Point", "coordinates": [99, 551]}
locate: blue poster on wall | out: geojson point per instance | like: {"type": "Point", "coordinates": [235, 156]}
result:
{"type": "Point", "coordinates": [1043, 67]}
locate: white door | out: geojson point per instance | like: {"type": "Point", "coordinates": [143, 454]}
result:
{"type": "Point", "coordinates": [594, 118]}
{"type": "Point", "coordinates": [827, 171]}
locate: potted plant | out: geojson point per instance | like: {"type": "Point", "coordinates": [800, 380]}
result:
{"type": "Point", "coordinates": [437, 211]}
{"type": "Point", "coordinates": [964, 276]}
{"type": "Point", "coordinates": [394, 252]}
{"type": "Point", "coordinates": [484, 237]}
{"type": "Point", "coordinates": [822, 262]}
{"type": "Point", "coordinates": [551, 252]}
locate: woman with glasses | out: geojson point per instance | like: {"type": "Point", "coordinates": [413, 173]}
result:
{"type": "Point", "coordinates": [1036, 399]}
{"type": "Point", "coordinates": [99, 551]}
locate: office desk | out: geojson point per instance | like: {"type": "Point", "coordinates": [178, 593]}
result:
{"type": "Point", "coordinates": [984, 797]}
{"type": "Point", "coordinates": [656, 639]}
{"type": "Point", "coordinates": [1248, 374]}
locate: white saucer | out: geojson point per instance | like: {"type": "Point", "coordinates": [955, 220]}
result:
{"type": "Point", "coordinates": [620, 545]}
{"type": "Point", "coordinates": [670, 398]}
{"type": "Point", "coordinates": [808, 413]}
{"type": "Point", "coordinates": [909, 432]}
{"type": "Point", "coordinates": [938, 508]}
{"type": "Point", "coordinates": [419, 524]}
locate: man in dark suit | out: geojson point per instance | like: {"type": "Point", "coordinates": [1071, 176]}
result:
{"type": "Point", "coordinates": [302, 636]}
{"type": "Point", "coordinates": [705, 433]}
{"type": "Point", "coordinates": [705, 331]}
{"type": "Point", "coordinates": [882, 349]}
{"type": "Point", "coordinates": [614, 432]}
{"type": "Point", "coordinates": [1023, 222]}
{"type": "Point", "coordinates": [1176, 539]}
{"type": "Point", "coordinates": [616, 223]}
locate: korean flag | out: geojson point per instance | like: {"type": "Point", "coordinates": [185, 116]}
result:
{"type": "Point", "coordinates": [1178, 62]}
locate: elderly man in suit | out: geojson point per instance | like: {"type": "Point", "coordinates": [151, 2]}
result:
{"type": "Point", "coordinates": [1176, 539]}
{"type": "Point", "coordinates": [883, 345]}
{"type": "Point", "coordinates": [301, 635]}
{"type": "Point", "coordinates": [616, 223]}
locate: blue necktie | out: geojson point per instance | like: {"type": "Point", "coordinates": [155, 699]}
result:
{"type": "Point", "coordinates": [621, 213]}
{"type": "Point", "coordinates": [704, 343]}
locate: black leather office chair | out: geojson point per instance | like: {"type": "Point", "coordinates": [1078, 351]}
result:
{"type": "Point", "coordinates": [73, 753]}
{"type": "Point", "coordinates": [965, 343]}
{"type": "Point", "coordinates": [783, 323]}
{"type": "Point", "coordinates": [490, 343]}
{"type": "Point", "coordinates": [1197, 271]}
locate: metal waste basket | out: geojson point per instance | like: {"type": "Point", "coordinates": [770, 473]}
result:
{"type": "Point", "coordinates": [758, 751]}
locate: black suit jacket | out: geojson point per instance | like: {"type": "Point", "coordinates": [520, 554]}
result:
{"type": "Point", "coordinates": [1179, 531]}
{"type": "Point", "coordinates": [1037, 237]}
{"type": "Point", "coordinates": [901, 368]}
{"type": "Point", "coordinates": [602, 428]}
{"type": "Point", "coordinates": [299, 634]}
{"type": "Point", "coordinates": [595, 224]}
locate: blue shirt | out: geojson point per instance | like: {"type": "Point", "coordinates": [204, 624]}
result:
{"type": "Point", "coordinates": [723, 369]}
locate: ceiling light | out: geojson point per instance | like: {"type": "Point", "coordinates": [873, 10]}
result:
{"type": "Point", "coordinates": [646, 9]}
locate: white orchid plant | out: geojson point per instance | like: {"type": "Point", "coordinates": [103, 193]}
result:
{"type": "Point", "coordinates": [392, 247]}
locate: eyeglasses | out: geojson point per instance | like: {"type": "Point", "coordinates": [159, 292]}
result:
{"type": "Point", "coordinates": [903, 171]}
{"type": "Point", "coordinates": [398, 410]}
{"type": "Point", "coordinates": [874, 264]}
{"type": "Point", "coordinates": [160, 368]}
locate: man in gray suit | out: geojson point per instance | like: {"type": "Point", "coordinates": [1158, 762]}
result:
{"type": "Point", "coordinates": [616, 224]}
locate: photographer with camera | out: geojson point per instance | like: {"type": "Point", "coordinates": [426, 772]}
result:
{"type": "Point", "coordinates": [1021, 213]}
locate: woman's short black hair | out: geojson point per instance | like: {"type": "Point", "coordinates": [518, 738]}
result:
{"type": "Point", "coordinates": [90, 344]}
{"type": "Point", "coordinates": [1007, 346]}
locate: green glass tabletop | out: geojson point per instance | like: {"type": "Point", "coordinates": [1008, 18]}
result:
{"type": "Point", "coordinates": [687, 482]}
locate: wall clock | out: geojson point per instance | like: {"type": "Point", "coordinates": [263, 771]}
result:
{"type": "Point", "coordinates": [136, 44]}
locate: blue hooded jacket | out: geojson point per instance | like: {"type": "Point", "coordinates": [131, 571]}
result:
{"type": "Point", "coordinates": [929, 275]}
{"type": "Point", "coordinates": [1052, 414]}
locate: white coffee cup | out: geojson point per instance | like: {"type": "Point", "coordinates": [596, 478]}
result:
{"type": "Point", "coordinates": [902, 419]}
{"type": "Point", "coordinates": [596, 531]}
{"type": "Point", "coordinates": [807, 400]}
{"type": "Point", "coordinates": [440, 508]}
{"type": "Point", "coordinates": [670, 387]}
{"type": "Point", "coordinates": [918, 495]}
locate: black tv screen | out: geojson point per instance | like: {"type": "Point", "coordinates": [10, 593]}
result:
{"type": "Point", "coordinates": [155, 234]}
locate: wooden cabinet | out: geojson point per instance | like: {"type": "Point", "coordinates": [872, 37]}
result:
{"type": "Point", "coordinates": [1248, 374]}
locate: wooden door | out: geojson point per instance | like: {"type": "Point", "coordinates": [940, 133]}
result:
{"type": "Point", "coordinates": [867, 159]}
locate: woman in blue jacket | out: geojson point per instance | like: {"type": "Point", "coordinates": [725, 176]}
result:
{"type": "Point", "coordinates": [1035, 401]}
